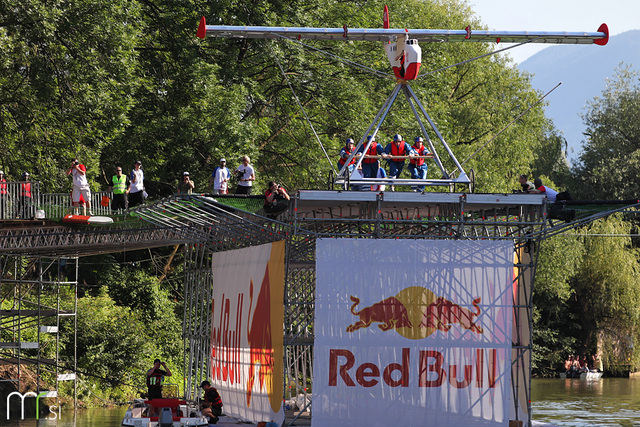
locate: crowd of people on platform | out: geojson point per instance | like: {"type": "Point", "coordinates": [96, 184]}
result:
{"type": "Point", "coordinates": [576, 365]}
{"type": "Point", "coordinates": [395, 153]}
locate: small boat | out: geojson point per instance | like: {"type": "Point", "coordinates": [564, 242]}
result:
{"type": "Point", "coordinates": [163, 413]}
{"type": "Point", "coordinates": [590, 376]}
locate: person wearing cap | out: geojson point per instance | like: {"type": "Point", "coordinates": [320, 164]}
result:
{"type": "Point", "coordinates": [246, 175]}
{"type": "Point", "coordinates": [212, 403]}
{"type": "Point", "coordinates": [4, 196]}
{"type": "Point", "coordinates": [120, 188]}
{"type": "Point", "coordinates": [155, 379]}
{"type": "Point", "coordinates": [370, 165]}
{"type": "Point", "coordinates": [398, 147]}
{"type": "Point", "coordinates": [220, 178]}
{"type": "Point", "coordinates": [417, 166]}
{"type": "Point", "coordinates": [80, 186]}
{"type": "Point", "coordinates": [345, 152]}
{"type": "Point", "coordinates": [136, 190]}
{"type": "Point", "coordinates": [186, 185]}
{"type": "Point", "coordinates": [25, 207]}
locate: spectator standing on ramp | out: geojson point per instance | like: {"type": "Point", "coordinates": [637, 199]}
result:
{"type": "Point", "coordinates": [186, 185]}
{"type": "Point", "coordinates": [246, 175]}
{"type": "Point", "coordinates": [120, 188]}
{"type": "Point", "coordinates": [4, 196]}
{"type": "Point", "coordinates": [220, 178]}
{"type": "Point", "coordinates": [80, 186]}
{"type": "Point", "coordinates": [136, 191]}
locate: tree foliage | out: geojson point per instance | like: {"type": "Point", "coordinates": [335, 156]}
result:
{"type": "Point", "coordinates": [140, 85]}
{"type": "Point", "coordinates": [610, 161]}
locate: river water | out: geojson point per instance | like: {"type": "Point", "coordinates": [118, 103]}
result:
{"type": "Point", "coordinates": [571, 403]}
{"type": "Point", "coordinates": [577, 403]}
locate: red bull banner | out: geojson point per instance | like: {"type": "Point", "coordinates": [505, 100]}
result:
{"type": "Point", "coordinates": [247, 314]}
{"type": "Point", "coordinates": [409, 332]}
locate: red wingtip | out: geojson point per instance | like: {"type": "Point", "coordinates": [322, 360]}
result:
{"type": "Point", "coordinates": [202, 28]}
{"type": "Point", "coordinates": [603, 29]}
{"type": "Point", "coordinates": [385, 17]}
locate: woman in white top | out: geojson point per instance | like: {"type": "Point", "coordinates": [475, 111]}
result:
{"type": "Point", "coordinates": [136, 190]}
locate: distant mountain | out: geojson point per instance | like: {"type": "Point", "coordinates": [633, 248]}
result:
{"type": "Point", "coordinates": [583, 71]}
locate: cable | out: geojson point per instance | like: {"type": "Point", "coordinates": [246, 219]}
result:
{"type": "Point", "coordinates": [302, 108]}
{"type": "Point", "coordinates": [507, 126]}
{"type": "Point", "coordinates": [338, 58]}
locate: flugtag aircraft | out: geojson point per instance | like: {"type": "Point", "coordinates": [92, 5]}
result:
{"type": "Point", "coordinates": [405, 56]}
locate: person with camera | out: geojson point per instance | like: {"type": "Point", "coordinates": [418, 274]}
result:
{"type": "Point", "coordinates": [245, 175]}
{"type": "Point", "coordinates": [81, 188]}
{"type": "Point", "coordinates": [155, 379]}
{"type": "Point", "coordinates": [186, 185]}
{"type": "Point", "coordinates": [276, 200]}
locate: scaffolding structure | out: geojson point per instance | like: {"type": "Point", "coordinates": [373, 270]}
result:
{"type": "Point", "coordinates": [207, 224]}
{"type": "Point", "coordinates": [43, 296]}
{"type": "Point", "coordinates": [214, 226]}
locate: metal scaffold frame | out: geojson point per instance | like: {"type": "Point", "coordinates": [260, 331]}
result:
{"type": "Point", "coordinates": [319, 214]}
{"type": "Point", "coordinates": [43, 297]}
{"type": "Point", "coordinates": [206, 224]}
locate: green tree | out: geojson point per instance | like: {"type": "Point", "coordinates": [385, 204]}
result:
{"type": "Point", "coordinates": [610, 161]}
{"type": "Point", "coordinates": [555, 326]}
{"type": "Point", "coordinates": [67, 77]}
{"type": "Point", "coordinates": [607, 288]}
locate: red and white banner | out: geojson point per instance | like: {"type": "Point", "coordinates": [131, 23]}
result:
{"type": "Point", "coordinates": [409, 332]}
{"type": "Point", "coordinates": [247, 332]}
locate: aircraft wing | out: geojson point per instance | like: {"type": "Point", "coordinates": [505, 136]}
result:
{"type": "Point", "coordinates": [600, 37]}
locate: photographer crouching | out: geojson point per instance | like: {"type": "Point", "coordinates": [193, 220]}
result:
{"type": "Point", "coordinates": [276, 200]}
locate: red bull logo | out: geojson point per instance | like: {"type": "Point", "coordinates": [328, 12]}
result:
{"type": "Point", "coordinates": [431, 368]}
{"type": "Point", "coordinates": [416, 313]}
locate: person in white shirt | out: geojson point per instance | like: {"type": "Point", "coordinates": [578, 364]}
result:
{"type": "Point", "coordinates": [136, 190]}
{"type": "Point", "coordinates": [220, 178]}
{"type": "Point", "coordinates": [246, 176]}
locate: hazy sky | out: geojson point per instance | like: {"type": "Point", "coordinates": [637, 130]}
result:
{"type": "Point", "coordinates": [556, 15]}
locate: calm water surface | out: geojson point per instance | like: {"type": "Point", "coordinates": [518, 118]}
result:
{"type": "Point", "coordinates": [575, 403]}
{"type": "Point", "coordinates": [99, 417]}
{"type": "Point", "coordinates": [608, 402]}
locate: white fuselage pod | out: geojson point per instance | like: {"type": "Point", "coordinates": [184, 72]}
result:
{"type": "Point", "coordinates": [405, 57]}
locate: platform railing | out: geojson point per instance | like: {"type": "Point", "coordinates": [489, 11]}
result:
{"type": "Point", "coordinates": [24, 200]}
{"type": "Point", "coordinates": [56, 205]}
{"type": "Point", "coordinates": [19, 199]}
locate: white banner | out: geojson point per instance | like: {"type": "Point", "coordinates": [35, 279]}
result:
{"type": "Point", "coordinates": [247, 333]}
{"type": "Point", "coordinates": [412, 331]}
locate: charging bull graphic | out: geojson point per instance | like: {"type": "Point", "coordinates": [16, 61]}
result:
{"type": "Point", "coordinates": [416, 313]}
{"type": "Point", "coordinates": [442, 314]}
{"type": "Point", "coordinates": [391, 313]}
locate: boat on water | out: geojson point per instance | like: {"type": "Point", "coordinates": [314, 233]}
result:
{"type": "Point", "coordinates": [590, 376]}
{"type": "Point", "coordinates": [163, 413]}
